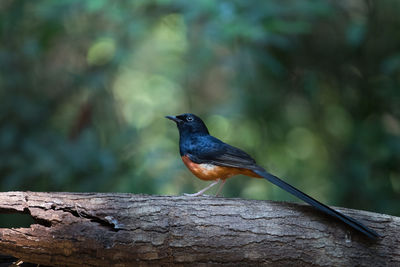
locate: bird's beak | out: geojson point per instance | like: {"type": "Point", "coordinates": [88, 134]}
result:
{"type": "Point", "coordinates": [173, 118]}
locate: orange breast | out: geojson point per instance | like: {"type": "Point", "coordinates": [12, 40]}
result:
{"type": "Point", "coordinates": [209, 172]}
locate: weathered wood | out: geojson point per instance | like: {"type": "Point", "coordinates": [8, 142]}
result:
{"type": "Point", "coordinates": [92, 229]}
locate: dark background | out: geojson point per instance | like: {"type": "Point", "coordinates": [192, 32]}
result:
{"type": "Point", "coordinates": [309, 88]}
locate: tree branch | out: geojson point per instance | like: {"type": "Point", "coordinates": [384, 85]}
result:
{"type": "Point", "coordinates": [92, 229]}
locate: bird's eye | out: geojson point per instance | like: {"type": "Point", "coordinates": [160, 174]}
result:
{"type": "Point", "coordinates": [190, 118]}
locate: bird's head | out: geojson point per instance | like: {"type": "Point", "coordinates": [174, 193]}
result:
{"type": "Point", "coordinates": [189, 124]}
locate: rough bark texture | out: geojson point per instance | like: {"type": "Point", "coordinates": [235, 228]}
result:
{"type": "Point", "coordinates": [92, 229]}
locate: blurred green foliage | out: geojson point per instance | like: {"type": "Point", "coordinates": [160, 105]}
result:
{"type": "Point", "coordinates": [309, 88]}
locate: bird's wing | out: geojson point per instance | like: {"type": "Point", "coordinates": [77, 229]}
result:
{"type": "Point", "coordinates": [214, 151]}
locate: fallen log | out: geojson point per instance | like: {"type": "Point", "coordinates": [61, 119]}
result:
{"type": "Point", "coordinates": [96, 229]}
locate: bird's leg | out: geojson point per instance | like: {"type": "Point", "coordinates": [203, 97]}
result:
{"type": "Point", "coordinates": [220, 187]}
{"type": "Point", "coordinates": [203, 190]}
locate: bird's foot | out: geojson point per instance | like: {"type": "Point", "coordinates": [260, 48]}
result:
{"type": "Point", "coordinates": [200, 193]}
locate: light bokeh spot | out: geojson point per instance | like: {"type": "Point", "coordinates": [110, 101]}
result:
{"type": "Point", "coordinates": [101, 52]}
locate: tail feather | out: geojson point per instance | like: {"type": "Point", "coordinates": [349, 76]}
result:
{"type": "Point", "coordinates": [322, 207]}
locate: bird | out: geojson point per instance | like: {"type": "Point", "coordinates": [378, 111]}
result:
{"type": "Point", "coordinates": [210, 159]}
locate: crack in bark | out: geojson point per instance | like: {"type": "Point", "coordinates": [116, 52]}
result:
{"type": "Point", "coordinates": [109, 222]}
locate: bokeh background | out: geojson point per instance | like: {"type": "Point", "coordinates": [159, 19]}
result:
{"type": "Point", "coordinates": [309, 88]}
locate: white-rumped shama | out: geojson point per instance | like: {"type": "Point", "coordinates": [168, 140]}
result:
{"type": "Point", "coordinates": [211, 159]}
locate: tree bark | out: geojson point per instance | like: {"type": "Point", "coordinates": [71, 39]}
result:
{"type": "Point", "coordinates": [93, 229]}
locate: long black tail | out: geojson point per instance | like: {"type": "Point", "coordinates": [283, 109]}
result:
{"type": "Point", "coordinates": [322, 207]}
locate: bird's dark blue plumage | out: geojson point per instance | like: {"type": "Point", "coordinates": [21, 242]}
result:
{"type": "Point", "coordinates": [201, 151]}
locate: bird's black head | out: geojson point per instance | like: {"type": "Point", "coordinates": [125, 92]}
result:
{"type": "Point", "coordinates": [189, 124]}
